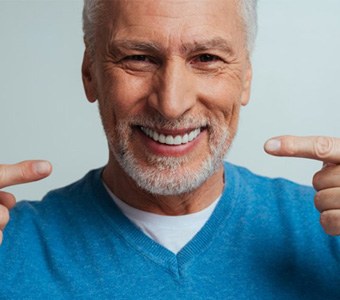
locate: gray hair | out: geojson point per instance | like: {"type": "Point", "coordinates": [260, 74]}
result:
{"type": "Point", "coordinates": [93, 9]}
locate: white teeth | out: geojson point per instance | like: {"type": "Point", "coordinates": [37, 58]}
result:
{"type": "Point", "coordinates": [191, 135]}
{"type": "Point", "coordinates": [169, 139]}
{"type": "Point", "coordinates": [161, 138]}
{"type": "Point", "coordinates": [185, 139]}
{"type": "Point", "coordinates": [155, 136]}
{"type": "Point", "coordinates": [178, 140]}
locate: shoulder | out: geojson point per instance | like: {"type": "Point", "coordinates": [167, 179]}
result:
{"type": "Point", "coordinates": [272, 198]}
{"type": "Point", "coordinates": [280, 188]}
{"type": "Point", "coordinates": [275, 207]}
{"type": "Point", "coordinates": [57, 209]}
{"type": "Point", "coordinates": [67, 209]}
{"type": "Point", "coordinates": [61, 197]}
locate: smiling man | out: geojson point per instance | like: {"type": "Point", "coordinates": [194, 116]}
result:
{"type": "Point", "coordinates": [166, 218]}
{"type": "Point", "coordinates": [169, 80]}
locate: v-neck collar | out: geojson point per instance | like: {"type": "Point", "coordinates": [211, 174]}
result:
{"type": "Point", "coordinates": [140, 242]}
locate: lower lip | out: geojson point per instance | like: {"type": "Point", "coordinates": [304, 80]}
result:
{"type": "Point", "coordinates": [170, 150]}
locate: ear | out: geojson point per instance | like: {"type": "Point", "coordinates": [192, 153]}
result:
{"type": "Point", "coordinates": [88, 78]}
{"type": "Point", "coordinates": [247, 85]}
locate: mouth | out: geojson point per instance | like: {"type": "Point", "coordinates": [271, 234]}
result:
{"type": "Point", "coordinates": [181, 137]}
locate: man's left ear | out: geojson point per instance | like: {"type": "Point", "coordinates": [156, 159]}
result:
{"type": "Point", "coordinates": [88, 78]}
{"type": "Point", "coordinates": [247, 85]}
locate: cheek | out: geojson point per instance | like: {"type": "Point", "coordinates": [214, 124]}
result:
{"type": "Point", "coordinates": [222, 96]}
{"type": "Point", "coordinates": [122, 93]}
{"type": "Point", "coordinates": [122, 97]}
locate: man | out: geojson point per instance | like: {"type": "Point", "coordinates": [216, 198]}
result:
{"type": "Point", "coordinates": [165, 218]}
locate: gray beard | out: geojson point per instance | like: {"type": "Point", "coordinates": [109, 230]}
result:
{"type": "Point", "coordinates": [167, 176]}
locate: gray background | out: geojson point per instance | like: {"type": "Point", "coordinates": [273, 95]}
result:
{"type": "Point", "coordinates": [44, 113]}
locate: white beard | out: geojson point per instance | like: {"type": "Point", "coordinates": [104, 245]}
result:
{"type": "Point", "coordinates": [170, 175]}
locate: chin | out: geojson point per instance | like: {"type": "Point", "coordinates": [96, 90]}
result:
{"type": "Point", "coordinates": [171, 176]}
{"type": "Point", "coordinates": [167, 175]}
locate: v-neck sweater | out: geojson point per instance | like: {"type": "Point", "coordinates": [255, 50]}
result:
{"type": "Point", "coordinates": [263, 241]}
{"type": "Point", "coordinates": [172, 232]}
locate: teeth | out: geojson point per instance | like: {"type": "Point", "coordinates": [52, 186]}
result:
{"type": "Point", "coordinates": [161, 138]}
{"type": "Point", "coordinates": [155, 136]}
{"type": "Point", "coordinates": [191, 135]}
{"type": "Point", "coordinates": [185, 139]}
{"type": "Point", "coordinates": [178, 140]}
{"type": "Point", "coordinates": [169, 139]}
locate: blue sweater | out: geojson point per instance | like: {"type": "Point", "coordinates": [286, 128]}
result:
{"type": "Point", "coordinates": [263, 241]}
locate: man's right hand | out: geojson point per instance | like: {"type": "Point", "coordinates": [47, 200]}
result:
{"type": "Point", "coordinates": [23, 172]}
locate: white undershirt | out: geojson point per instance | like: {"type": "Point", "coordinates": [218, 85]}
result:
{"type": "Point", "coordinates": [172, 232]}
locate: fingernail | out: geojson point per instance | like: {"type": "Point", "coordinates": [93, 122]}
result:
{"type": "Point", "coordinates": [42, 167]}
{"type": "Point", "coordinates": [273, 145]}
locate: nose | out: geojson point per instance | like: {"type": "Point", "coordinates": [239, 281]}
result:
{"type": "Point", "coordinates": [174, 92]}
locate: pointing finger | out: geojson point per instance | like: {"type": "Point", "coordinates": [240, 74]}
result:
{"type": "Point", "coordinates": [322, 148]}
{"type": "Point", "coordinates": [23, 172]}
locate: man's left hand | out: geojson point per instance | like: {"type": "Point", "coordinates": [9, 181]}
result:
{"type": "Point", "coordinates": [326, 181]}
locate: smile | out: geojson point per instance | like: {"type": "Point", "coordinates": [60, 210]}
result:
{"type": "Point", "coordinates": [170, 139]}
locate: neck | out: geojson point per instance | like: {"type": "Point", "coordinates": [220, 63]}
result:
{"type": "Point", "coordinates": [127, 190]}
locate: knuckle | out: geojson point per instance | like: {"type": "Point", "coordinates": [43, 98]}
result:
{"type": "Point", "coordinates": [318, 201]}
{"type": "Point", "coordinates": [23, 172]}
{"type": "Point", "coordinates": [325, 219]}
{"type": "Point", "coordinates": [330, 222]}
{"type": "Point", "coordinates": [4, 216]}
{"type": "Point", "coordinates": [317, 179]}
{"type": "Point", "coordinates": [323, 146]}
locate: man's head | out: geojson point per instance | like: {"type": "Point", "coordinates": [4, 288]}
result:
{"type": "Point", "coordinates": [169, 77]}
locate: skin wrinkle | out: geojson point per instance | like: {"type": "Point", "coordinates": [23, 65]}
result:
{"type": "Point", "coordinates": [185, 49]}
{"type": "Point", "coordinates": [238, 22]}
{"type": "Point", "coordinates": [245, 20]}
{"type": "Point", "coordinates": [118, 46]}
{"type": "Point", "coordinates": [146, 93]}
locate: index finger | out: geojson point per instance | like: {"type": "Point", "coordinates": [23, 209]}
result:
{"type": "Point", "coordinates": [326, 149]}
{"type": "Point", "coordinates": [23, 172]}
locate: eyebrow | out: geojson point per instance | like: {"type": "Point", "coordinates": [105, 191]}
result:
{"type": "Point", "coordinates": [216, 43]}
{"type": "Point", "coordinates": [149, 46]}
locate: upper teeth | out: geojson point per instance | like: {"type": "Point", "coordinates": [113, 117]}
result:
{"type": "Point", "coordinates": [169, 139]}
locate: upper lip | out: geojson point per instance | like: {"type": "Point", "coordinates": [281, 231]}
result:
{"type": "Point", "coordinates": [174, 132]}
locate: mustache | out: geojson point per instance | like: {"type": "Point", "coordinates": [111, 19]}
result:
{"type": "Point", "coordinates": [158, 121]}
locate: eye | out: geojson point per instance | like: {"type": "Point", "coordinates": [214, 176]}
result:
{"type": "Point", "coordinates": [139, 58]}
{"type": "Point", "coordinates": [207, 62]}
{"type": "Point", "coordinates": [136, 57]}
{"type": "Point", "coordinates": [203, 58]}
{"type": "Point", "coordinates": [139, 62]}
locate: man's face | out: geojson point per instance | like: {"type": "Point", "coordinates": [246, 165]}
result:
{"type": "Point", "coordinates": [170, 77]}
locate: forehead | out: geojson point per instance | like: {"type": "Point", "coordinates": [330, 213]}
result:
{"type": "Point", "coordinates": [172, 21]}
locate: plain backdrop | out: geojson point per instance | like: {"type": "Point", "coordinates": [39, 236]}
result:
{"type": "Point", "coordinates": [44, 113]}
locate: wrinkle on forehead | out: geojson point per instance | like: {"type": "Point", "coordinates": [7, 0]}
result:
{"type": "Point", "coordinates": [171, 9]}
{"type": "Point", "coordinates": [153, 24]}
{"type": "Point", "coordinates": [186, 48]}
{"type": "Point", "coordinates": [174, 9]}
